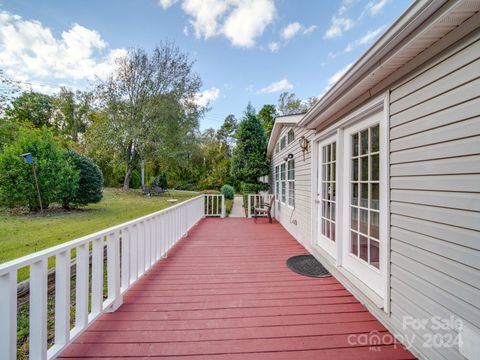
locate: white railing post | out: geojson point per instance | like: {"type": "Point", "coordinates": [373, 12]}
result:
{"type": "Point", "coordinates": [98, 251]}
{"type": "Point", "coordinates": [249, 206]}
{"type": "Point", "coordinates": [8, 314]}
{"type": "Point", "coordinates": [113, 272]}
{"type": "Point", "coordinates": [38, 310]}
{"type": "Point", "coordinates": [133, 253]}
{"type": "Point", "coordinates": [125, 268]}
{"type": "Point", "coordinates": [223, 206]}
{"type": "Point", "coordinates": [62, 298]}
{"type": "Point", "coordinates": [81, 293]}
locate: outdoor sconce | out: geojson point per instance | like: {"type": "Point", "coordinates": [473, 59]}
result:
{"type": "Point", "coordinates": [288, 157]}
{"type": "Point", "coordinates": [303, 142]}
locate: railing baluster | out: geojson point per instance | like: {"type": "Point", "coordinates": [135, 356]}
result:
{"type": "Point", "coordinates": [62, 298]}
{"type": "Point", "coordinates": [125, 265]}
{"type": "Point", "coordinates": [147, 244]}
{"type": "Point", "coordinates": [141, 248]}
{"type": "Point", "coordinates": [98, 251]}
{"type": "Point", "coordinates": [158, 238]}
{"type": "Point", "coordinates": [113, 271]}
{"type": "Point", "coordinates": [8, 314]}
{"type": "Point", "coordinates": [81, 293]}
{"type": "Point", "coordinates": [134, 253]}
{"type": "Point", "coordinates": [38, 310]}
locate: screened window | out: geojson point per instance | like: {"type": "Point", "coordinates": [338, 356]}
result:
{"type": "Point", "coordinates": [291, 182]}
{"type": "Point", "coordinates": [290, 136]}
{"type": "Point", "coordinates": [277, 182]}
{"type": "Point", "coordinates": [364, 199]}
{"type": "Point", "coordinates": [329, 185]}
{"type": "Point", "coordinates": [282, 143]}
{"type": "Point", "coordinates": [283, 183]}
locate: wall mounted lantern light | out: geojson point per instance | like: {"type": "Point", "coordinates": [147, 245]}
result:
{"type": "Point", "coordinates": [303, 142]}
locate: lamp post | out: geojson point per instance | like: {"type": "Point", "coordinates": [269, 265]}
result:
{"type": "Point", "coordinates": [28, 158]}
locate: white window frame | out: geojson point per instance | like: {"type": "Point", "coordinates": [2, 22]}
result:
{"type": "Point", "coordinates": [379, 103]}
{"type": "Point", "coordinates": [277, 182]}
{"type": "Point", "coordinates": [290, 181]}
{"type": "Point", "coordinates": [283, 142]}
{"type": "Point", "coordinates": [291, 131]}
{"type": "Point", "coordinates": [283, 182]}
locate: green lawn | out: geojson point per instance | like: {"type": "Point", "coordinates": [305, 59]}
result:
{"type": "Point", "coordinates": [24, 234]}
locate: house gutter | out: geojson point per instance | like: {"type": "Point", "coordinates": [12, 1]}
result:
{"type": "Point", "coordinates": [412, 18]}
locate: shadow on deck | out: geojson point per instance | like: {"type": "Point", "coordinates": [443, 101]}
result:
{"type": "Point", "coordinates": [224, 292]}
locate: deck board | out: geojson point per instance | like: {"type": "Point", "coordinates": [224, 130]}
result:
{"type": "Point", "coordinates": [224, 292]}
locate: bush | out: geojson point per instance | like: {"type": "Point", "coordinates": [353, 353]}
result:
{"type": "Point", "coordinates": [160, 181]}
{"type": "Point", "coordinates": [254, 187]}
{"type": "Point", "coordinates": [135, 180]}
{"type": "Point", "coordinates": [90, 182]}
{"type": "Point", "coordinates": [228, 191]}
{"type": "Point", "coordinates": [56, 172]}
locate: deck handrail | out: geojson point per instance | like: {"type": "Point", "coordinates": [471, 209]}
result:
{"type": "Point", "coordinates": [256, 200]}
{"type": "Point", "coordinates": [131, 249]}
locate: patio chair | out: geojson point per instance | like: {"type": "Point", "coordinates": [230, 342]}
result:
{"type": "Point", "coordinates": [264, 209]}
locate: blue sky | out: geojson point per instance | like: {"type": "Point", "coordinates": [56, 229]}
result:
{"type": "Point", "coordinates": [245, 50]}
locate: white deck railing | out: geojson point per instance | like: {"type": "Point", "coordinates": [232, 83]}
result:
{"type": "Point", "coordinates": [258, 200]}
{"type": "Point", "coordinates": [215, 205]}
{"type": "Point", "coordinates": [131, 249]}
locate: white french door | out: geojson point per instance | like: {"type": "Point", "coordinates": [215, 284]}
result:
{"type": "Point", "coordinates": [363, 212]}
{"type": "Point", "coordinates": [327, 196]}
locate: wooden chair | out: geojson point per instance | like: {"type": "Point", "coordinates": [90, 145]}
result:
{"type": "Point", "coordinates": [264, 209]}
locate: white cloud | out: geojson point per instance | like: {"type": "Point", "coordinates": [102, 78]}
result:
{"type": "Point", "coordinates": [375, 7]}
{"type": "Point", "coordinates": [337, 26]}
{"type": "Point", "coordinates": [29, 52]}
{"type": "Point", "coordinates": [291, 30]}
{"type": "Point", "coordinates": [310, 29]}
{"type": "Point", "coordinates": [165, 4]}
{"type": "Point", "coordinates": [207, 96]}
{"type": "Point", "coordinates": [281, 85]}
{"type": "Point", "coordinates": [185, 30]}
{"type": "Point", "coordinates": [274, 46]}
{"type": "Point", "coordinates": [240, 21]}
{"type": "Point", "coordinates": [335, 77]}
{"type": "Point", "coordinates": [365, 39]}
{"type": "Point", "coordinates": [248, 21]}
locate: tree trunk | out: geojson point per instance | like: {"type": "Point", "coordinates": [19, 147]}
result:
{"type": "Point", "coordinates": [128, 176]}
{"type": "Point", "coordinates": [142, 169]}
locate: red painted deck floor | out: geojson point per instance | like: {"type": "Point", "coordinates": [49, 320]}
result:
{"type": "Point", "coordinates": [224, 292]}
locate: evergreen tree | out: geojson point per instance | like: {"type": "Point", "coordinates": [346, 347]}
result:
{"type": "Point", "coordinates": [249, 159]}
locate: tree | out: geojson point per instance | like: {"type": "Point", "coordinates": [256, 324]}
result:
{"type": "Point", "coordinates": [73, 108]}
{"type": "Point", "coordinates": [267, 117]}
{"type": "Point", "coordinates": [56, 172]}
{"type": "Point", "coordinates": [227, 131]}
{"type": "Point", "coordinates": [32, 107]}
{"type": "Point", "coordinates": [141, 84]}
{"type": "Point", "coordinates": [249, 159]}
{"type": "Point", "coordinates": [289, 104]}
{"type": "Point", "coordinates": [90, 182]}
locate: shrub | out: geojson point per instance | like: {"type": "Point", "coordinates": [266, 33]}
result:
{"type": "Point", "coordinates": [160, 181]}
{"type": "Point", "coordinates": [56, 172]}
{"type": "Point", "coordinates": [90, 182]}
{"type": "Point", "coordinates": [135, 180]}
{"type": "Point", "coordinates": [254, 187]}
{"type": "Point", "coordinates": [228, 191]}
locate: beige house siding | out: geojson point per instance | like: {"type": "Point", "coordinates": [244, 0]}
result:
{"type": "Point", "coordinates": [301, 214]}
{"type": "Point", "coordinates": [435, 192]}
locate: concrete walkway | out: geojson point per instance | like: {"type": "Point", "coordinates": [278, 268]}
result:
{"type": "Point", "coordinates": [237, 209]}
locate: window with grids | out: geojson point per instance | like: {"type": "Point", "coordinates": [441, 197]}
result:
{"type": "Point", "coordinates": [277, 148]}
{"type": "Point", "coordinates": [364, 199]}
{"type": "Point", "coordinates": [282, 143]}
{"type": "Point", "coordinates": [290, 136]}
{"type": "Point", "coordinates": [283, 183]}
{"type": "Point", "coordinates": [277, 182]}
{"type": "Point", "coordinates": [329, 187]}
{"type": "Point", "coordinates": [291, 182]}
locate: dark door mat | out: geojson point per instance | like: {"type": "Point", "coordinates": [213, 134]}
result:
{"type": "Point", "coordinates": [307, 265]}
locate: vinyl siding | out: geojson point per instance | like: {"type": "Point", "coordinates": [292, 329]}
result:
{"type": "Point", "coordinates": [435, 193]}
{"type": "Point", "coordinates": [286, 215]}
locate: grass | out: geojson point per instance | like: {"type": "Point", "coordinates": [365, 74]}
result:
{"type": "Point", "coordinates": [25, 234]}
